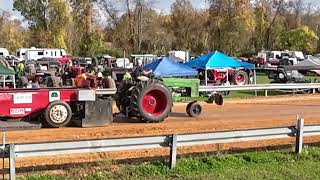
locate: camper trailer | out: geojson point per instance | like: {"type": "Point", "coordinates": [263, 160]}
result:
{"type": "Point", "coordinates": [4, 52]}
{"type": "Point", "coordinates": [38, 53]}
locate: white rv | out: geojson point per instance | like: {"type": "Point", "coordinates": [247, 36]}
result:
{"type": "Point", "coordinates": [4, 52]}
{"type": "Point", "coordinates": [38, 53]}
{"type": "Point", "coordinates": [179, 56]}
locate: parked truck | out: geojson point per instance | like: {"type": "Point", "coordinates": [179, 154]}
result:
{"type": "Point", "coordinates": [276, 58]}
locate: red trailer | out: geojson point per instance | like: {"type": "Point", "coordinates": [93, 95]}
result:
{"type": "Point", "coordinates": [55, 107]}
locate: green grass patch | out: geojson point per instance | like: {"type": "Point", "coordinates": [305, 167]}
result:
{"type": "Point", "coordinates": [250, 165]}
{"type": "Point", "coordinates": [261, 79]}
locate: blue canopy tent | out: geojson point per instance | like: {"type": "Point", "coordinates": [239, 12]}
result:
{"type": "Point", "coordinates": [165, 67]}
{"type": "Point", "coordinates": [217, 60]}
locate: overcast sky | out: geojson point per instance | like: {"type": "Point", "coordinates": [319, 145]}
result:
{"type": "Point", "coordinates": [160, 5]}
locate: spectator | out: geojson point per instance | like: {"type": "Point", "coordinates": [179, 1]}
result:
{"type": "Point", "coordinates": [108, 82]}
{"type": "Point", "coordinates": [127, 76]}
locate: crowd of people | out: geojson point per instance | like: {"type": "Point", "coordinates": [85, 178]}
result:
{"type": "Point", "coordinates": [81, 75]}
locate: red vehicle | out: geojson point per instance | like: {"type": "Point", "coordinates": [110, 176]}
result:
{"type": "Point", "coordinates": [216, 77]}
{"type": "Point", "coordinates": [64, 59]}
{"type": "Point", "coordinates": [55, 107]}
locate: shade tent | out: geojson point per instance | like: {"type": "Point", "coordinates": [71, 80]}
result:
{"type": "Point", "coordinates": [6, 72]}
{"type": "Point", "coordinates": [217, 60]}
{"type": "Point", "coordinates": [312, 63]}
{"type": "Point", "coordinates": [165, 67]}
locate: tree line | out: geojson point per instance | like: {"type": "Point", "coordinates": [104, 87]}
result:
{"type": "Point", "coordinates": [91, 27]}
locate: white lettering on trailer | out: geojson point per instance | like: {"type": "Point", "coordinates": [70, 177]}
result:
{"type": "Point", "coordinates": [28, 109]}
{"type": "Point", "coordinates": [54, 96]}
{"type": "Point", "coordinates": [17, 111]}
{"type": "Point", "coordinates": [22, 98]}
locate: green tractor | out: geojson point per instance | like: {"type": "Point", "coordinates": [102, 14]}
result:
{"type": "Point", "coordinates": [151, 100]}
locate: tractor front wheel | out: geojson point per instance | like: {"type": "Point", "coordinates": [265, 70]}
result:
{"type": "Point", "coordinates": [194, 109]}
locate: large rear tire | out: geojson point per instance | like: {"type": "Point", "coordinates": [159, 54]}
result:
{"type": "Point", "coordinates": [151, 101]}
{"type": "Point", "coordinates": [240, 77]}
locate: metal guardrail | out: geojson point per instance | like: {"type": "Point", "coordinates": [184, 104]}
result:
{"type": "Point", "coordinates": [13, 151]}
{"type": "Point", "coordinates": [233, 136]}
{"type": "Point", "coordinates": [119, 144]}
{"type": "Point", "coordinates": [90, 146]}
{"type": "Point", "coordinates": [260, 87]}
{"type": "Point", "coordinates": [250, 87]}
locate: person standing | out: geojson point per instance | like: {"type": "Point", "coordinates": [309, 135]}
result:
{"type": "Point", "coordinates": [127, 76]}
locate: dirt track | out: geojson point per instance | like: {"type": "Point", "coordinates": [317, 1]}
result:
{"type": "Point", "coordinates": [234, 114]}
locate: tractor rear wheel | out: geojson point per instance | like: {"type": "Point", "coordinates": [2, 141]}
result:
{"type": "Point", "coordinates": [151, 101]}
{"type": "Point", "coordinates": [240, 77]}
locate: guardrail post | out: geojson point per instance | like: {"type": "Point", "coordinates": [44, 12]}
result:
{"type": "Point", "coordinates": [255, 80]}
{"type": "Point", "coordinates": [3, 149]}
{"type": "Point", "coordinates": [265, 93]}
{"type": "Point", "coordinates": [12, 159]}
{"type": "Point", "coordinates": [299, 135]}
{"type": "Point", "coordinates": [173, 151]}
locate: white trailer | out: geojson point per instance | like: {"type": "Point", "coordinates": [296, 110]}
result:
{"type": "Point", "coordinates": [4, 52]}
{"type": "Point", "coordinates": [38, 53]}
{"type": "Point", "coordinates": [182, 55]}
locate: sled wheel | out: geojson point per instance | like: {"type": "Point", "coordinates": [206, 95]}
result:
{"type": "Point", "coordinates": [58, 114]}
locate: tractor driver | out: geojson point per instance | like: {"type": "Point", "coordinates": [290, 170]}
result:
{"type": "Point", "coordinates": [138, 72]}
{"type": "Point", "coordinates": [20, 69]}
{"type": "Point", "coordinates": [127, 76]}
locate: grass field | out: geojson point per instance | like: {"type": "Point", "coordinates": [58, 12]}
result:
{"type": "Point", "coordinates": [261, 79]}
{"type": "Point", "coordinates": [250, 165]}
